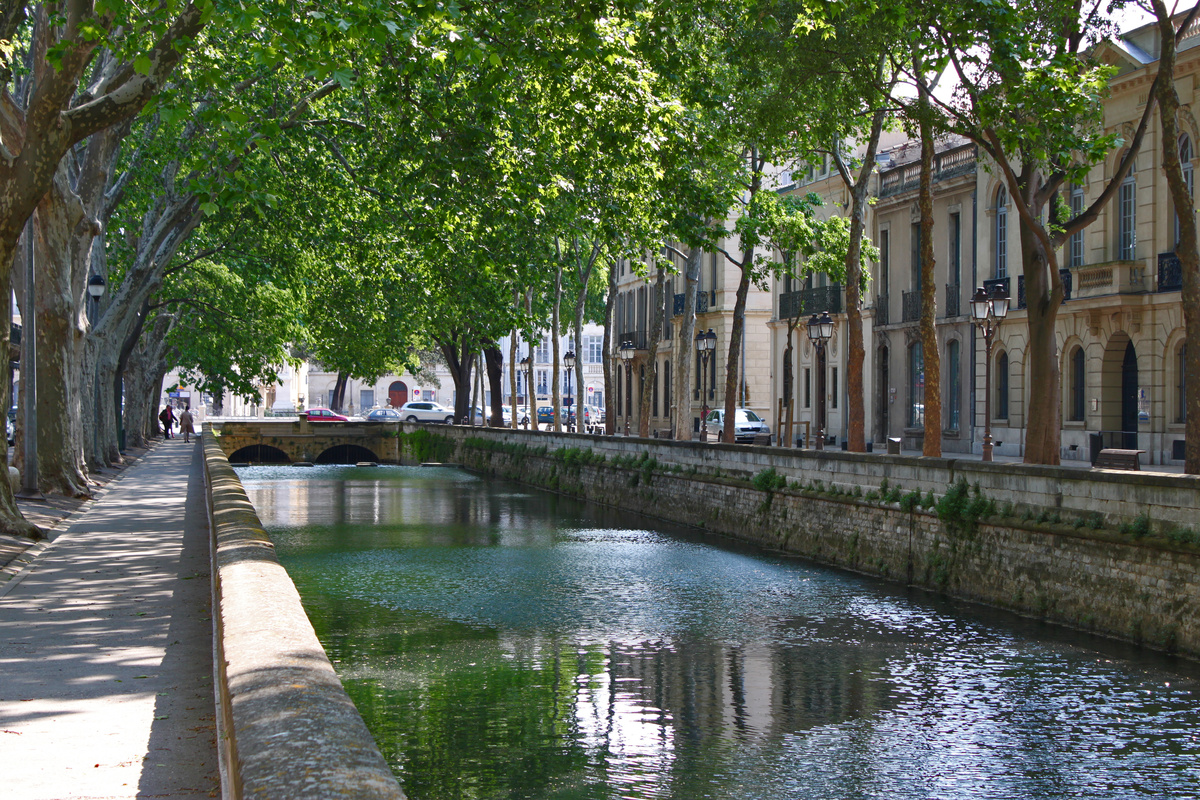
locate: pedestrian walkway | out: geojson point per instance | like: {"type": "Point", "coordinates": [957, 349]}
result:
{"type": "Point", "coordinates": [106, 646]}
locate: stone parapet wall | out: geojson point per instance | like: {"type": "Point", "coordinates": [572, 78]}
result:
{"type": "Point", "coordinates": [287, 728]}
{"type": "Point", "coordinates": [1168, 500]}
{"type": "Point", "coordinates": [1143, 590]}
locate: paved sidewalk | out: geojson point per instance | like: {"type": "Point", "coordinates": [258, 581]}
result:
{"type": "Point", "coordinates": [106, 646]}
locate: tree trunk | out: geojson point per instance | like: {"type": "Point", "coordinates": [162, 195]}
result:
{"type": "Point", "coordinates": [736, 333]}
{"type": "Point", "coordinates": [494, 364]}
{"type": "Point", "coordinates": [656, 325]}
{"type": "Point", "coordinates": [555, 329]}
{"type": "Point", "coordinates": [338, 401]}
{"type": "Point", "coordinates": [1044, 413]}
{"type": "Point", "coordinates": [856, 353]}
{"type": "Point", "coordinates": [1186, 250]}
{"type": "Point", "coordinates": [610, 406]}
{"type": "Point", "coordinates": [512, 379]}
{"type": "Point", "coordinates": [932, 445]}
{"type": "Point", "coordinates": [144, 374]}
{"type": "Point", "coordinates": [11, 521]}
{"type": "Point", "coordinates": [687, 347]}
{"type": "Point", "coordinates": [584, 273]}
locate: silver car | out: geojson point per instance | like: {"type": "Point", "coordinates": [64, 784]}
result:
{"type": "Point", "coordinates": [746, 424]}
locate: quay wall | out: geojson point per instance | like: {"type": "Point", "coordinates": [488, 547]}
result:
{"type": "Point", "coordinates": [1059, 544]}
{"type": "Point", "coordinates": [286, 727]}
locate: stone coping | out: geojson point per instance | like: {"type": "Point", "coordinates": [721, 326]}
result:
{"type": "Point", "coordinates": [287, 728]}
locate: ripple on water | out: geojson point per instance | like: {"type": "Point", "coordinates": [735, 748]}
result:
{"type": "Point", "coordinates": [528, 646]}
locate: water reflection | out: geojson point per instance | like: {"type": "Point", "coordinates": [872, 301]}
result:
{"type": "Point", "coordinates": [504, 643]}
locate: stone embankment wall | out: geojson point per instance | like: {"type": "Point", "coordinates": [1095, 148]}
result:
{"type": "Point", "coordinates": [1084, 549]}
{"type": "Point", "coordinates": [287, 728]}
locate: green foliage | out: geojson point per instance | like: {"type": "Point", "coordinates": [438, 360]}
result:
{"type": "Point", "coordinates": [769, 481]}
{"type": "Point", "coordinates": [1181, 535]}
{"type": "Point", "coordinates": [910, 501]}
{"type": "Point", "coordinates": [1138, 528]}
{"type": "Point", "coordinates": [962, 508]}
{"type": "Point", "coordinates": [426, 446]}
{"type": "Point", "coordinates": [574, 458]}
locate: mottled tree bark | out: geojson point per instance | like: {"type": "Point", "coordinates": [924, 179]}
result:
{"type": "Point", "coordinates": [931, 359]}
{"type": "Point", "coordinates": [687, 346]}
{"type": "Point", "coordinates": [610, 405]}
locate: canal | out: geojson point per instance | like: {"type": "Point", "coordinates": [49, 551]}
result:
{"type": "Point", "coordinates": [503, 642]}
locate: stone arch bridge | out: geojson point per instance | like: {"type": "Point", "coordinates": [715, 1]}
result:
{"type": "Point", "coordinates": [287, 442]}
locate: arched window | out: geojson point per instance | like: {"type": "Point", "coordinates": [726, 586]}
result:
{"type": "Point", "coordinates": [1078, 385]}
{"type": "Point", "coordinates": [1075, 246]}
{"type": "Point", "coordinates": [1181, 390]}
{"type": "Point", "coordinates": [953, 386]}
{"type": "Point", "coordinates": [916, 386]}
{"type": "Point", "coordinates": [1002, 386]}
{"type": "Point", "coordinates": [1185, 161]}
{"type": "Point", "coordinates": [1127, 217]}
{"type": "Point", "coordinates": [1001, 232]}
{"type": "Point", "coordinates": [666, 388]}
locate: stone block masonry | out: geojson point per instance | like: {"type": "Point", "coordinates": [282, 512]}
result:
{"type": "Point", "coordinates": [288, 730]}
{"type": "Point", "coordinates": [1135, 586]}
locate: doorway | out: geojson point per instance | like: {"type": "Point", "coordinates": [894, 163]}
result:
{"type": "Point", "coordinates": [1129, 398]}
{"type": "Point", "coordinates": [397, 394]}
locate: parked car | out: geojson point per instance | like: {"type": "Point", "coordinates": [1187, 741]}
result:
{"type": "Point", "coordinates": [545, 414]}
{"type": "Point", "coordinates": [383, 415]}
{"type": "Point", "coordinates": [324, 415]}
{"type": "Point", "coordinates": [746, 424]}
{"type": "Point", "coordinates": [593, 415]}
{"type": "Point", "coordinates": [522, 415]}
{"type": "Point", "coordinates": [426, 411]}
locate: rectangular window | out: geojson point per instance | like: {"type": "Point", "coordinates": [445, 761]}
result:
{"type": "Point", "coordinates": [1127, 238]}
{"type": "Point", "coordinates": [916, 257]}
{"type": "Point", "coordinates": [542, 356]}
{"type": "Point", "coordinates": [593, 347]}
{"type": "Point", "coordinates": [543, 382]}
{"type": "Point", "coordinates": [955, 249]}
{"type": "Point", "coordinates": [1075, 251]}
{"type": "Point", "coordinates": [916, 386]}
{"type": "Point", "coordinates": [366, 398]}
{"type": "Point", "coordinates": [833, 390]}
{"type": "Point", "coordinates": [884, 243]}
{"type": "Point", "coordinates": [807, 387]}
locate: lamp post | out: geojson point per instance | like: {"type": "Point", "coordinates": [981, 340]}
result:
{"type": "Point", "coordinates": [988, 311]}
{"type": "Point", "coordinates": [706, 343]}
{"type": "Point", "coordinates": [627, 356]}
{"type": "Point", "coordinates": [569, 363]}
{"type": "Point", "coordinates": [820, 330]}
{"type": "Point", "coordinates": [95, 289]}
{"type": "Point", "coordinates": [527, 364]}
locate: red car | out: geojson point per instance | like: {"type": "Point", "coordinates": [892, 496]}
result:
{"type": "Point", "coordinates": [324, 415]}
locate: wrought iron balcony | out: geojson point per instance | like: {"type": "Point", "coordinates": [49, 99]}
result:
{"type": "Point", "coordinates": [637, 338]}
{"type": "Point", "coordinates": [881, 309]}
{"type": "Point", "coordinates": [910, 306]}
{"type": "Point", "coordinates": [1063, 274]}
{"type": "Point", "coordinates": [702, 303]}
{"type": "Point", "coordinates": [811, 301]}
{"type": "Point", "coordinates": [987, 286]}
{"type": "Point", "coordinates": [1170, 273]}
{"type": "Point", "coordinates": [953, 296]}
{"type": "Point", "coordinates": [906, 178]}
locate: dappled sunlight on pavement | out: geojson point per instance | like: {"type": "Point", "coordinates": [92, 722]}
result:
{"type": "Point", "coordinates": [106, 647]}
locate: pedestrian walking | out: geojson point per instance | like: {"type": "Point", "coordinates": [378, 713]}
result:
{"type": "Point", "coordinates": [185, 423]}
{"type": "Point", "coordinates": [167, 418]}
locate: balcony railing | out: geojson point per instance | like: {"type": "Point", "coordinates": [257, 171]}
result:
{"type": "Point", "coordinates": [910, 309]}
{"type": "Point", "coordinates": [811, 301]}
{"type": "Point", "coordinates": [702, 303]}
{"type": "Point", "coordinates": [1110, 277]}
{"type": "Point", "coordinates": [1063, 274]}
{"type": "Point", "coordinates": [638, 338]}
{"type": "Point", "coordinates": [953, 294]}
{"type": "Point", "coordinates": [987, 285]}
{"type": "Point", "coordinates": [959, 161]}
{"type": "Point", "coordinates": [881, 309]}
{"type": "Point", "coordinates": [1170, 273]}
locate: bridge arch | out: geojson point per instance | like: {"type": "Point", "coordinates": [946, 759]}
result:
{"type": "Point", "coordinates": [259, 454]}
{"type": "Point", "coordinates": [346, 454]}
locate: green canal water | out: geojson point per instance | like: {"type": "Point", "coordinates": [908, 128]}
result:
{"type": "Point", "coordinates": [503, 642]}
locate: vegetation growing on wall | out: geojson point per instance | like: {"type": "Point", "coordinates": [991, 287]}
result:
{"type": "Point", "coordinates": [425, 446]}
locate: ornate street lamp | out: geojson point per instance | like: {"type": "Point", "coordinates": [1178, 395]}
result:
{"type": "Point", "coordinates": [527, 365]}
{"type": "Point", "coordinates": [626, 352]}
{"type": "Point", "coordinates": [95, 289]}
{"type": "Point", "coordinates": [706, 345]}
{"type": "Point", "coordinates": [569, 363]}
{"type": "Point", "coordinates": [820, 330]}
{"type": "Point", "coordinates": [988, 311]}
